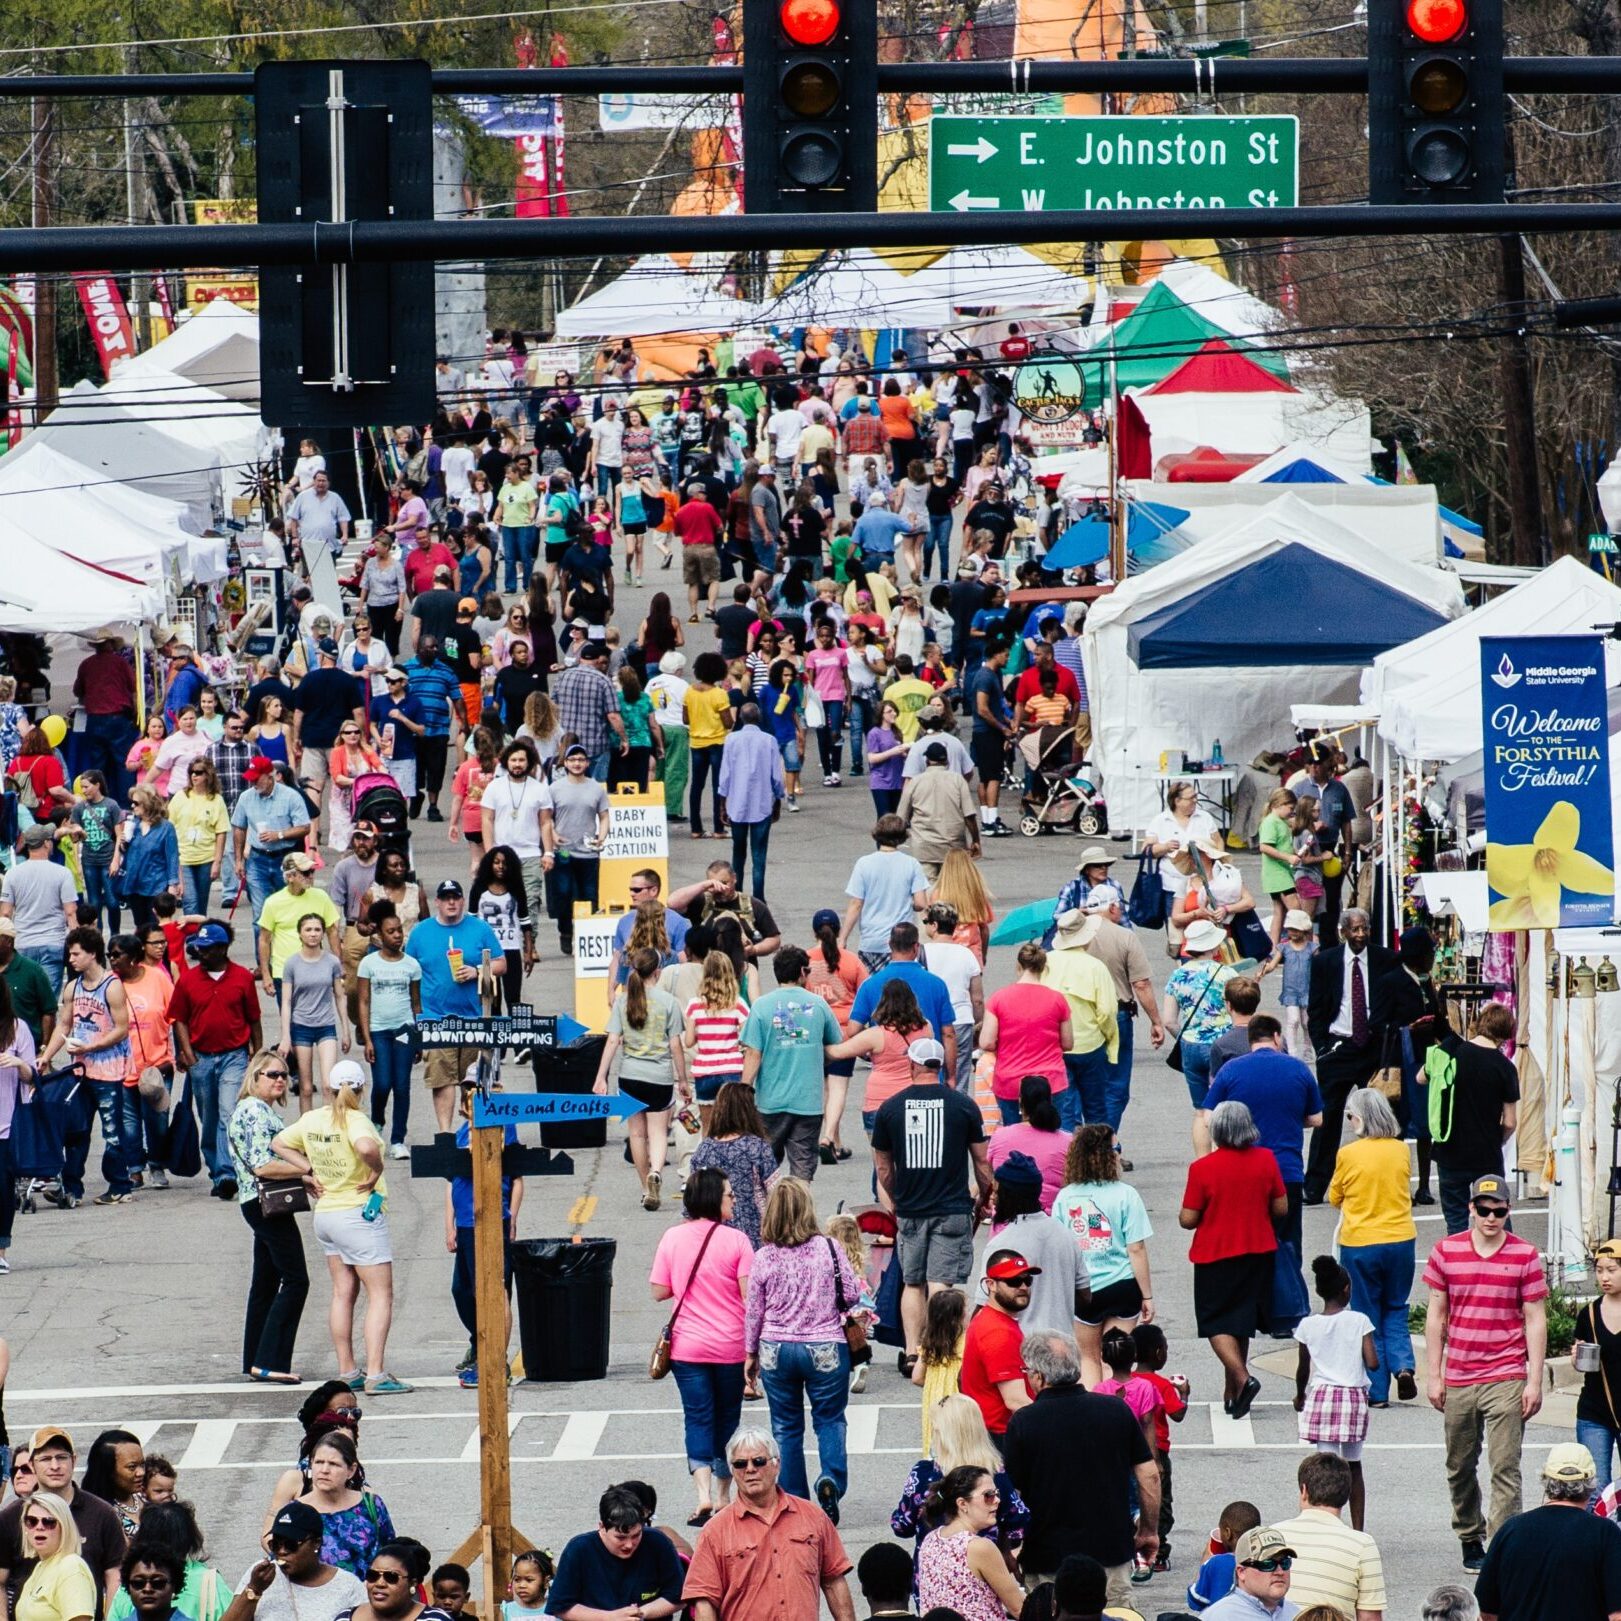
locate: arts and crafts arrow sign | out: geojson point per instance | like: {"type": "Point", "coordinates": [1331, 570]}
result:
{"type": "Point", "coordinates": [524, 1108]}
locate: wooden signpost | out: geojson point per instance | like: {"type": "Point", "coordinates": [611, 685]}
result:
{"type": "Point", "coordinates": [488, 1158]}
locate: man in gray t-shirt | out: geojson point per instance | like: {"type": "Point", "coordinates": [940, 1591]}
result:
{"type": "Point", "coordinates": [580, 816]}
{"type": "Point", "coordinates": [39, 897]}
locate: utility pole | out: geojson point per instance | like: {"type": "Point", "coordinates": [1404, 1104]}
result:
{"type": "Point", "coordinates": [1528, 544]}
{"type": "Point", "coordinates": [134, 178]}
{"type": "Point", "coordinates": [45, 379]}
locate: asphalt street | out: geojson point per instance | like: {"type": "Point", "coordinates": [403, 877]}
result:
{"type": "Point", "coordinates": [131, 1316]}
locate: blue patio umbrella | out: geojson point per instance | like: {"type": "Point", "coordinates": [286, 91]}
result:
{"type": "Point", "coordinates": [1024, 923]}
{"type": "Point", "coordinates": [1087, 541]}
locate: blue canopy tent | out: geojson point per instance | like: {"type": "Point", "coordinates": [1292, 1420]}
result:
{"type": "Point", "coordinates": [1337, 616]}
{"type": "Point", "coordinates": [1087, 541]}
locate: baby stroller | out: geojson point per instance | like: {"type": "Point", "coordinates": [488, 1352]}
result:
{"type": "Point", "coordinates": [56, 1110]}
{"type": "Point", "coordinates": [377, 799]}
{"type": "Point", "coordinates": [1060, 794]}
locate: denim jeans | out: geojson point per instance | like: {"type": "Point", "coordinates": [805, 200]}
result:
{"type": "Point", "coordinates": [216, 1078]}
{"type": "Point", "coordinates": [1117, 1090]}
{"type": "Point", "coordinates": [50, 959]}
{"type": "Point", "coordinates": [143, 1129]}
{"type": "Point", "coordinates": [107, 741]}
{"type": "Point", "coordinates": [938, 543]}
{"type": "Point", "coordinates": [518, 543]}
{"type": "Point", "coordinates": [790, 1373]}
{"type": "Point", "coordinates": [607, 481]}
{"type": "Point", "coordinates": [751, 839]}
{"type": "Point", "coordinates": [196, 883]}
{"type": "Point", "coordinates": [1601, 1440]}
{"type": "Point", "coordinates": [1196, 1070]}
{"type": "Point", "coordinates": [863, 717]}
{"type": "Point", "coordinates": [263, 873]}
{"type": "Point", "coordinates": [1088, 1091]}
{"type": "Point", "coordinates": [705, 765]}
{"type": "Point", "coordinates": [100, 893]}
{"type": "Point", "coordinates": [711, 1406]}
{"type": "Point", "coordinates": [391, 1073]}
{"type": "Point", "coordinates": [830, 738]}
{"type": "Point", "coordinates": [1381, 1279]}
{"type": "Point", "coordinates": [115, 1168]}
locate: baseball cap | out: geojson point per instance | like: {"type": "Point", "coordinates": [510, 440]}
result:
{"type": "Point", "coordinates": [346, 1072]}
{"type": "Point", "coordinates": [766, 470]}
{"type": "Point", "coordinates": [968, 568]}
{"type": "Point", "coordinates": [297, 1522]}
{"type": "Point", "coordinates": [259, 766]}
{"type": "Point", "coordinates": [576, 748]}
{"type": "Point", "coordinates": [46, 1433]}
{"type": "Point", "coordinates": [1569, 1460]}
{"type": "Point", "coordinates": [210, 934]}
{"type": "Point", "coordinates": [8, 928]}
{"type": "Point", "coordinates": [928, 1052]}
{"type": "Point", "coordinates": [1489, 1187]}
{"type": "Point", "coordinates": [327, 648]}
{"type": "Point", "coordinates": [1019, 1170]}
{"type": "Point", "coordinates": [40, 833]}
{"type": "Point", "coordinates": [1261, 1542]}
{"type": "Point", "coordinates": [369, 829]}
{"type": "Point", "coordinates": [395, 673]}
{"type": "Point", "coordinates": [1006, 1265]}
{"type": "Point", "coordinates": [448, 889]}
{"type": "Point", "coordinates": [1098, 897]}
{"type": "Point", "coordinates": [467, 605]}
{"type": "Point", "coordinates": [824, 919]}
{"type": "Point", "coordinates": [302, 861]}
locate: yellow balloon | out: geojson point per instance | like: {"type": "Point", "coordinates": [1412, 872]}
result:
{"type": "Point", "coordinates": [55, 729]}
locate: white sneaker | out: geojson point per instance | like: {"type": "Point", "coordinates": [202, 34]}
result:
{"type": "Point", "coordinates": [835, 780]}
{"type": "Point", "coordinates": [399, 1151]}
{"type": "Point", "coordinates": [793, 802]}
{"type": "Point", "coordinates": [156, 1177]}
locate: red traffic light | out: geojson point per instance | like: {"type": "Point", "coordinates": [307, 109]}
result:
{"type": "Point", "coordinates": [810, 22]}
{"type": "Point", "coordinates": [1437, 21]}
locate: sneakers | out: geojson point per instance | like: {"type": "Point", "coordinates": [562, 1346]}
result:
{"type": "Point", "coordinates": [835, 781]}
{"type": "Point", "coordinates": [856, 771]}
{"type": "Point", "coordinates": [859, 1383]}
{"type": "Point", "coordinates": [467, 1378]}
{"type": "Point", "coordinates": [827, 1494]}
{"type": "Point", "coordinates": [5, 1266]}
{"type": "Point", "coordinates": [1142, 1568]}
{"type": "Point", "coordinates": [1474, 1554]}
{"type": "Point", "coordinates": [109, 1197]}
{"type": "Point", "coordinates": [1406, 1386]}
{"type": "Point", "coordinates": [997, 830]}
{"type": "Point", "coordinates": [356, 1381]}
{"type": "Point", "coordinates": [399, 1151]}
{"type": "Point", "coordinates": [157, 1177]}
{"type": "Point", "coordinates": [435, 814]}
{"type": "Point", "coordinates": [793, 802]}
{"type": "Point", "coordinates": [469, 1360]}
{"type": "Point", "coordinates": [653, 1192]}
{"type": "Point", "coordinates": [385, 1384]}
{"type": "Point", "coordinates": [1162, 1560]}
{"type": "Point", "coordinates": [829, 780]}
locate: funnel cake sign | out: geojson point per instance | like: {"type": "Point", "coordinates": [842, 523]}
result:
{"type": "Point", "coordinates": [1550, 860]}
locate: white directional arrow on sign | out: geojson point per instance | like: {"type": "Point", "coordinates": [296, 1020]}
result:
{"type": "Point", "coordinates": [962, 202]}
{"type": "Point", "coordinates": [982, 149]}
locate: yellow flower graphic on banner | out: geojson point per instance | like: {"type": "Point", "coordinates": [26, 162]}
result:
{"type": "Point", "coordinates": [1530, 877]}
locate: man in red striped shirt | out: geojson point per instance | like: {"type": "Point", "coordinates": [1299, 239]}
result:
{"type": "Point", "coordinates": [1485, 1337]}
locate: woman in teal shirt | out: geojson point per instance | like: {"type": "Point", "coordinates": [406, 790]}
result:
{"type": "Point", "coordinates": [643, 737]}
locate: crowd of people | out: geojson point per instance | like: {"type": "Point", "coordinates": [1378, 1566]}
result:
{"type": "Point", "coordinates": [279, 934]}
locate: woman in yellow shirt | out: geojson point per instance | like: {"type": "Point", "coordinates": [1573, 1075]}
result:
{"type": "Point", "coordinates": [1371, 1186]}
{"type": "Point", "coordinates": [708, 708]}
{"type": "Point", "coordinates": [341, 1148]}
{"type": "Point", "coordinates": [201, 823]}
{"type": "Point", "coordinates": [60, 1587]}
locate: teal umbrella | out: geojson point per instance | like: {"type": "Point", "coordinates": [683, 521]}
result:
{"type": "Point", "coordinates": [1024, 923]}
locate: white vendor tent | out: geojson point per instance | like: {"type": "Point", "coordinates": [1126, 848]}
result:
{"type": "Point", "coordinates": [1400, 520]}
{"type": "Point", "coordinates": [44, 591]}
{"type": "Point", "coordinates": [654, 296]}
{"type": "Point", "coordinates": [857, 288]}
{"type": "Point", "coordinates": [999, 278]}
{"type": "Point", "coordinates": [1203, 648]}
{"type": "Point", "coordinates": [218, 349]}
{"type": "Point", "coordinates": [1427, 690]}
{"type": "Point", "coordinates": [196, 416]}
{"type": "Point", "coordinates": [119, 445]}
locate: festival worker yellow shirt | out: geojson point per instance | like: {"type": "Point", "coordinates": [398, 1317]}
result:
{"type": "Point", "coordinates": [280, 918]}
{"type": "Point", "coordinates": [58, 1590]}
{"type": "Point", "coordinates": [198, 820]}
{"type": "Point", "coordinates": [330, 1148]}
{"type": "Point", "coordinates": [908, 695]}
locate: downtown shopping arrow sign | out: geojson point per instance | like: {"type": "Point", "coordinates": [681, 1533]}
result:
{"type": "Point", "coordinates": [1033, 164]}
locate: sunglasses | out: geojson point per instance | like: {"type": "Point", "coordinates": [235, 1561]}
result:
{"type": "Point", "coordinates": [272, 1075]}
{"type": "Point", "coordinates": [284, 1544]}
{"type": "Point", "coordinates": [392, 1577]}
{"type": "Point", "coordinates": [751, 1463]}
{"type": "Point", "coordinates": [35, 1523]}
{"type": "Point", "coordinates": [1491, 1212]}
{"type": "Point", "coordinates": [1270, 1567]}
{"type": "Point", "coordinates": [144, 1582]}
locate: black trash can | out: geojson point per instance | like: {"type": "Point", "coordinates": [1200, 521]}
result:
{"type": "Point", "coordinates": [565, 1299]}
{"type": "Point", "coordinates": [571, 1069]}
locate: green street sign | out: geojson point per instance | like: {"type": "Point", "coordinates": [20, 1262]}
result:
{"type": "Point", "coordinates": [1032, 164]}
{"type": "Point", "coordinates": [1601, 543]}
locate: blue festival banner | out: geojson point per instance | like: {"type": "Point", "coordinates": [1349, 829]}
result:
{"type": "Point", "coordinates": [1550, 860]}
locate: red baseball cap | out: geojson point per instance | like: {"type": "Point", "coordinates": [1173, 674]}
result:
{"type": "Point", "coordinates": [1006, 1265]}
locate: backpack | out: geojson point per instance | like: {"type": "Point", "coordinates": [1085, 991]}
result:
{"type": "Point", "coordinates": [573, 518]}
{"type": "Point", "coordinates": [21, 783]}
{"type": "Point", "coordinates": [1441, 1076]}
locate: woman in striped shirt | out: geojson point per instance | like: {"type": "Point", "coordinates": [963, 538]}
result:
{"type": "Point", "coordinates": [715, 1020]}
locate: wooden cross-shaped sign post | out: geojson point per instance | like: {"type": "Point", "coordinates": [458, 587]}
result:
{"type": "Point", "coordinates": [486, 1161]}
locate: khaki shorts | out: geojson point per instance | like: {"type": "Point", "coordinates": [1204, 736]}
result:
{"type": "Point", "coordinates": [447, 1066]}
{"type": "Point", "coordinates": [700, 565]}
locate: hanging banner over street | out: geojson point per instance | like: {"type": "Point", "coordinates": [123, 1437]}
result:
{"type": "Point", "coordinates": [103, 302]}
{"type": "Point", "coordinates": [511, 116]}
{"type": "Point", "coordinates": [1550, 860]}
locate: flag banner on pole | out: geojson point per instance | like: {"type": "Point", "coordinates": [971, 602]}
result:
{"type": "Point", "coordinates": [108, 315]}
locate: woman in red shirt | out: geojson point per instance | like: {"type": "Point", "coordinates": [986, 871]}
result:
{"type": "Point", "coordinates": [39, 760]}
{"type": "Point", "coordinates": [1234, 1195]}
{"type": "Point", "coordinates": [1027, 1026]}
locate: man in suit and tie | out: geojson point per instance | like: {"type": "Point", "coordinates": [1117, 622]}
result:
{"type": "Point", "coordinates": [1342, 1034]}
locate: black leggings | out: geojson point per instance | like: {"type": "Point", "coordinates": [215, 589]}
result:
{"type": "Point", "coordinates": [509, 982]}
{"type": "Point", "coordinates": [385, 622]}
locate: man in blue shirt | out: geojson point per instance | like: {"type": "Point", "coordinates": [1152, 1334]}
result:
{"type": "Point", "coordinates": [645, 885]}
{"type": "Point", "coordinates": [751, 783]}
{"type": "Point", "coordinates": [886, 887]}
{"type": "Point", "coordinates": [270, 821]}
{"type": "Point", "coordinates": [933, 997]}
{"type": "Point", "coordinates": [623, 1568]}
{"type": "Point", "coordinates": [988, 742]}
{"type": "Point", "coordinates": [875, 534]}
{"type": "Point", "coordinates": [1283, 1096]}
{"type": "Point", "coordinates": [784, 1045]}
{"type": "Point", "coordinates": [434, 685]}
{"type": "Point", "coordinates": [450, 948]}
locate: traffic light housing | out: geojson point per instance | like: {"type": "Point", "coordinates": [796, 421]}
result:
{"type": "Point", "coordinates": [810, 106]}
{"type": "Point", "coordinates": [1435, 101]}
